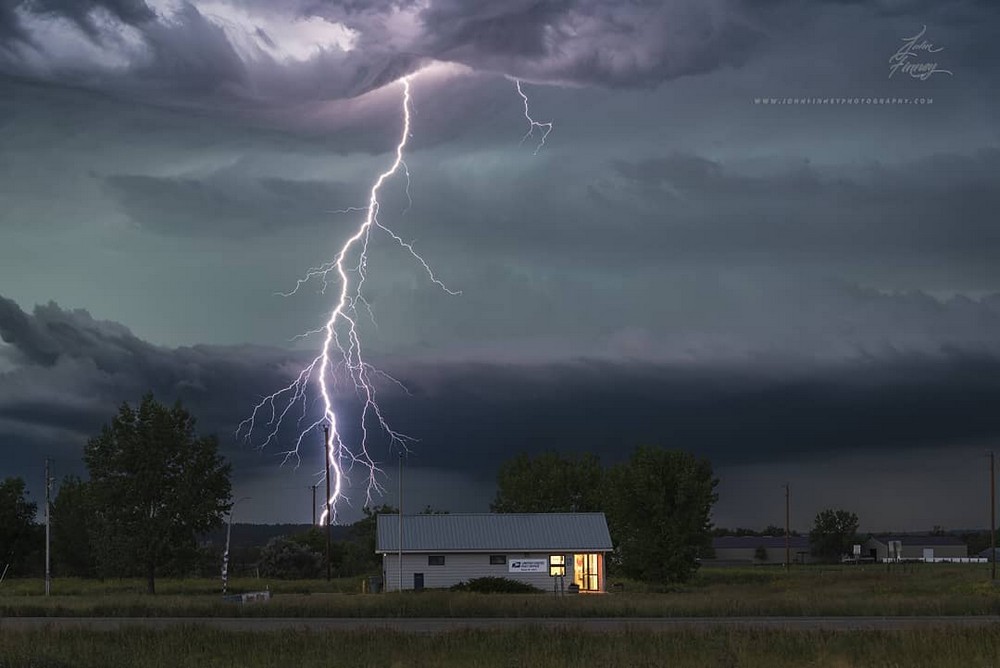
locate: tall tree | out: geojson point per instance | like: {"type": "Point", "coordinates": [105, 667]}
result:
{"type": "Point", "coordinates": [548, 483]}
{"type": "Point", "coordinates": [155, 485]}
{"type": "Point", "coordinates": [659, 513]}
{"type": "Point", "coordinates": [72, 525]}
{"type": "Point", "coordinates": [833, 533]}
{"type": "Point", "coordinates": [18, 532]}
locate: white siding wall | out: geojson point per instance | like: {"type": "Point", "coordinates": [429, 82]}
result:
{"type": "Point", "coordinates": [462, 567]}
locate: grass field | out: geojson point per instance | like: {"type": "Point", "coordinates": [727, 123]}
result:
{"type": "Point", "coordinates": [135, 648]}
{"type": "Point", "coordinates": [918, 589]}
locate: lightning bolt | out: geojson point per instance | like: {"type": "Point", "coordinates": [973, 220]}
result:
{"type": "Point", "coordinates": [342, 342]}
{"type": "Point", "coordinates": [342, 349]}
{"type": "Point", "coordinates": [544, 128]}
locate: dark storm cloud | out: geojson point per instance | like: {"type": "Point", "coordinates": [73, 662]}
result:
{"type": "Point", "coordinates": [733, 413]}
{"type": "Point", "coordinates": [471, 416]}
{"type": "Point", "coordinates": [941, 205]}
{"type": "Point", "coordinates": [225, 204]}
{"type": "Point", "coordinates": [80, 12]}
{"type": "Point", "coordinates": [588, 42]}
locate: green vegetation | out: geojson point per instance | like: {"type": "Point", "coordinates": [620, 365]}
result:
{"type": "Point", "coordinates": [155, 485]}
{"type": "Point", "coordinates": [833, 533]}
{"type": "Point", "coordinates": [920, 589]}
{"type": "Point", "coordinates": [492, 585]}
{"type": "Point", "coordinates": [658, 504]}
{"type": "Point", "coordinates": [548, 648]}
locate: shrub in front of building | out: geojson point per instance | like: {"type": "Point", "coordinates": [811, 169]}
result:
{"type": "Point", "coordinates": [495, 585]}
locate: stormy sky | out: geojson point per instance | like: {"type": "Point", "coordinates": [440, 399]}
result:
{"type": "Point", "coordinates": [802, 292]}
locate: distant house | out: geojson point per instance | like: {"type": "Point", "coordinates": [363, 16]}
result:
{"type": "Point", "coordinates": [736, 550]}
{"type": "Point", "coordinates": [439, 551]}
{"type": "Point", "coordinates": [914, 547]}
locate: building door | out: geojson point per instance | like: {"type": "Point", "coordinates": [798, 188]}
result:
{"type": "Point", "coordinates": [587, 571]}
{"type": "Point", "coordinates": [418, 581]}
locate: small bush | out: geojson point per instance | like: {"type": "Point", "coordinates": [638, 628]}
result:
{"type": "Point", "coordinates": [493, 585]}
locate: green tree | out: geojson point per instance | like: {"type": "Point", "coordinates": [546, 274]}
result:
{"type": "Point", "coordinates": [833, 533]}
{"type": "Point", "coordinates": [659, 507]}
{"type": "Point", "coordinates": [18, 532]}
{"type": "Point", "coordinates": [72, 526]}
{"type": "Point", "coordinates": [363, 531]}
{"type": "Point", "coordinates": [155, 485]}
{"type": "Point", "coordinates": [287, 558]}
{"type": "Point", "coordinates": [549, 483]}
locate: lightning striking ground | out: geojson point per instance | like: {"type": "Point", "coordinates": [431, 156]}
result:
{"type": "Point", "coordinates": [342, 342]}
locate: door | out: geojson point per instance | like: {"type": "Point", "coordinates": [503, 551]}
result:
{"type": "Point", "coordinates": [418, 581]}
{"type": "Point", "coordinates": [586, 571]}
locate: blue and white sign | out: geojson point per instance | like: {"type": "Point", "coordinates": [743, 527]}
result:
{"type": "Point", "coordinates": [527, 565]}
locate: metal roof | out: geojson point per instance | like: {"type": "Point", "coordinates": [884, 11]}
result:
{"type": "Point", "coordinates": [499, 532]}
{"type": "Point", "coordinates": [753, 542]}
{"type": "Point", "coordinates": [920, 539]}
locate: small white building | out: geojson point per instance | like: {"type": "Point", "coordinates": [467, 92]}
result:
{"type": "Point", "coordinates": [439, 551]}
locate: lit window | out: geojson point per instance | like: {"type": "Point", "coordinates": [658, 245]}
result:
{"type": "Point", "coordinates": [435, 560]}
{"type": "Point", "coordinates": [498, 559]}
{"type": "Point", "coordinates": [557, 565]}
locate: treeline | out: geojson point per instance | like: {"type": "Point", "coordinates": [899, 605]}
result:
{"type": "Point", "coordinates": [658, 504]}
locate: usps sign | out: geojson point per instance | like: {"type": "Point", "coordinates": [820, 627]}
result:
{"type": "Point", "coordinates": [527, 566]}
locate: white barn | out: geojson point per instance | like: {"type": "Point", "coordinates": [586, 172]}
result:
{"type": "Point", "coordinates": [439, 551]}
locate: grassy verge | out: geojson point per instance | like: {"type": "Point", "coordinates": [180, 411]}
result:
{"type": "Point", "coordinates": [931, 589]}
{"type": "Point", "coordinates": [137, 648]}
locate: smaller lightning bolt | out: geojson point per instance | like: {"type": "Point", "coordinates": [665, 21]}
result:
{"type": "Point", "coordinates": [544, 128]}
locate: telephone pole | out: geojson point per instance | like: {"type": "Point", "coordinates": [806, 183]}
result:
{"type": "Point", "coordinates": [326, 454]}
{"type": "Point", "coordinates": [993, 519]}
{"type": "Point", "coordinates": [48, 529]}
{"type": "Point", "coordinates": [788, 551]}
{"type": "Point", "coordinates": [314, 499]}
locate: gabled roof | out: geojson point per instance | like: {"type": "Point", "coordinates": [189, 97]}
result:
{"type": "Point", "coordinates": [499, 532]}
{"type": "Point", "coordinates": [920, 539]}
{"type": "Point", "coordinates": [753, 542]}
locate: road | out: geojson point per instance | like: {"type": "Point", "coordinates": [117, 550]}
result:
{"type": "Point", "coordinates": [439, 625]}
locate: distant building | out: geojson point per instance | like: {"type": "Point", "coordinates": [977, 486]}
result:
{"type": "Point", "coordinates": [990, 555]}
{"type": "Point", "coordinates": [439, 551]}
{"type": "Point", "coordinates": [914, 547]}
{"type": "Point", "coordinates": [736, 550]}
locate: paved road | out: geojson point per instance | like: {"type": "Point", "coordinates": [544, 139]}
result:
{"type": "Point", "coordinates": [438, 625]}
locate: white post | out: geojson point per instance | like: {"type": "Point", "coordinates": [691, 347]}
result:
{"type": "Point", "coordinates": [225, 554]}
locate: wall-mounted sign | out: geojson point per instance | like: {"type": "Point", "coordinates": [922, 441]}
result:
{"type": "Point", "coordinates": [527, 565]}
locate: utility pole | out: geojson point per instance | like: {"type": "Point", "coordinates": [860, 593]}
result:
{"type": "Point", "coordinates": [788, 551]}
{"type": "Point", "coordinates": [48, 529]}
{"type": "Point", "coordinates": [993, 519]}
{"type": "Point", "coordinates": [399, 555]}
{"type": "Point", "coordinates": [314, 500]}
{"type": "Point", "coordinates": [326, 454]}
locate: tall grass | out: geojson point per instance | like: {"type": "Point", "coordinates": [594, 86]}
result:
{"type": "Point", "coordinates": [931, 589]}
{"type": "Point", "coordinates": [548, 648]}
